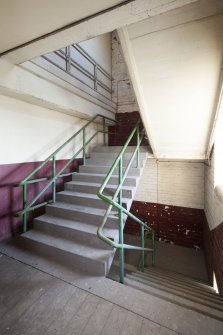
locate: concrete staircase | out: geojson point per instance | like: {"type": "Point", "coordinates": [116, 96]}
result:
{"type": "Point", "coordinates": [67, 232]}
{"type": "Point", "coordinates": [178, 289]}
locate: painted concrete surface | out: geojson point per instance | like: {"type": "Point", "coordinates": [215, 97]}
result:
{"type": "Point", "coordinates": [34, 302]}
{"type": "Point", "coordinates": [172, 317]}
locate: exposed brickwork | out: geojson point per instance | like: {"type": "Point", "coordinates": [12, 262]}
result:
{"type": "Point", "coordinates": [120, 132]}
{"type": "Point", "coordinates": [213, 246]}
{"type": "Point", "coordinates": [173, 224]}
{"type": "Point", "coordinates": [11, 197]}
{"type": "Point", "coordinates": [122, 90]}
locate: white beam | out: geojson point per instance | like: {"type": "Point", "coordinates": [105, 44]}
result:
{"type": "Point", "coordinates": [133, 74]}
{"type": "Point", "coordinates": [90, 27]}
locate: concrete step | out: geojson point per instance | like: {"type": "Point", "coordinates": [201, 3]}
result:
{"type": "Point", "coordinates": [109, 162]}
{"type": "Point", "coordinates": [87, 199]}
{"type": "Point", "coordinates": [167, 285]}
{"type": "Point", "coordinates": [114, 155]}
{"type": "Point", "coordinates": [75, 230]}
{"type": "Point", "coordinates": [99, 178]}
{"type": "Point", "coordinates": [93, 188]}
{"type": "Point", "coordinates": [174, 298]}
{"type": "Point", "coordinates": [179, 277]}
{"type": "Point", "coordinates": [66, 251]}
{"type": "Point", "coordinates": [81, 213]}
{"type": "Point", "coordinates": [178, 282]}
{"type": "Point", "coordinates": [116, 148]}
{"type": "Point", "coordinates": [104, 169]}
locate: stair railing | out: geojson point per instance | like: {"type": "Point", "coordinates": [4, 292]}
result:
{"type": "Point", "coordinates": [55, 175]}
{"type": "Point", "coordinates": [116, 201]}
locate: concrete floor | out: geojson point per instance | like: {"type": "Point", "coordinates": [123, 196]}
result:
{"type": "Point", "coordinates": [33, 302]}
{"type": "Point", "coordinates": [38, 295]}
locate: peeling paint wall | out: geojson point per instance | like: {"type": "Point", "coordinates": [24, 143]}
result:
{"type": "Point", "coordinates": [170, 198]}
{"type": "Point", "coordinates": [122, 91]}
{"type": "Point", "coordinates": [172, 224]}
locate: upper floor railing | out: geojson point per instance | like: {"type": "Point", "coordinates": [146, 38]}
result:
{"type": "Point", "coordinates": [75, 61]}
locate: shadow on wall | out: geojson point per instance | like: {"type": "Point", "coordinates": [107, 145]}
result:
{"type": "Point", "coordinates": [11, 196]}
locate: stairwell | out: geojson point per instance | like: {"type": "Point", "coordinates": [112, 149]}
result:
{"type": "Point", "coordinates": [67, 232]}
{"type": "Point", "coordinates": [64, 243]}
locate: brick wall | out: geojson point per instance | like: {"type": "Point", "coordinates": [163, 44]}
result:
{"type": "Point", "coordinates": [122, 91]}
{"type": "Point", "coordinates": [173, 224]}
{"type": "Point", "coordinates": [120, 133]}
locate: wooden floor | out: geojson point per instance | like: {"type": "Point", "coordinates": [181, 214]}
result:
{"type": "Point", "coordinates": [34, 302]}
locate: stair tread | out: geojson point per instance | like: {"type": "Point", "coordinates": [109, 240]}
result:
{"type": "Point", "coordinates": [179, 285]}
{"type": "Point", "coordinates": [83, 209]}
{"type": "Point", "coordinates": [117, 148]}
{"type": "Point", "coordinates": [178, 276]}
{"type": "Point", "coordinates": [74, 182]}
{"type": "Point", "coordinates": [99, 174]}
{"type": "Point", "coordinates": [179, 290]}
{"type": "Point", "coordinates": [77, 225]}
{"type": "Point", "coordinates": [86, 195]}
{"type": "Point", "coordinates": [71, 246]}
{"type": "Point", "coordinates": [182, 301]}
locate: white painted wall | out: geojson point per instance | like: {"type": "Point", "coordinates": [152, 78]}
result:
{"type": "Point", "coordinates": [172, 183]}
{"type": "Point", "coordinates": [99, 48]}
{"type": "Point", "coordinates": [175, 60]}
{"type": "Point", "coordinates": [42, 88]}
{"type": "Point", "coordinates": [31, 133]}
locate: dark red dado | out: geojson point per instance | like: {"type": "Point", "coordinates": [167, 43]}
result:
{"type": "Point", "coordinates": [213, 247]}
{"type": "Point", "coordinates": [173, 224]}
{"type": "Point", "coordinates": [120, 132]}
{"type": "Point", "coordinates": [11, 197]}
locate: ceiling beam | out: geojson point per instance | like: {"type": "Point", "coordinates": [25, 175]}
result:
{"type": "Point", "coordinates": [108, 20]}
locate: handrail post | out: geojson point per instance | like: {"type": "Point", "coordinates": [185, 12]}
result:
{"type": "Point", "coordinates": [153, 247]}
{"type": "Point", "coordinates": [95, 77]}
{"type": "Point", "coordinates": [54, 183]}
{"type": "Point", "coordinates": [24, 206]}
{"type": "Point", "coordinates": [138, 140]}
{"type": "Point", "coordinates": [142, 251]}
{"type": "Point", "coordinates": [84, 146]}
{"type": "Point", "coordinates": [120, 217]}
{"type": "Point", "coordinates": [104, 135]}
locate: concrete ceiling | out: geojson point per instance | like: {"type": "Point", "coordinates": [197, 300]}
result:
{"type": "Point", "coordinates": [24, 20]}
{"type": "Point", "coordinates": [175, 63]}
{"type": "Point", "coordinates": [30, 28]}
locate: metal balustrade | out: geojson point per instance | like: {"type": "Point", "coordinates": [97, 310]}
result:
{"type": "Point", "coordinates": [116, 202]}
{"type": "Point", "coordinates": [27, 207]}
{"type": "Point", "coordinates": [75, 61]}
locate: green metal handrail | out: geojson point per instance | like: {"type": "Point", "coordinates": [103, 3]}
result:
{"type": "Point", "coordinates": [118, 204]}
{"type": "Point", "coordinates": [52, 180]}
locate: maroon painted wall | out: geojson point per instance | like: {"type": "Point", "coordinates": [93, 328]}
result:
{"type": "Point", "coordinates": [173, 224]}
{"type": "Point", "coordinates": [213, 247]}
{"type": "Point", "coordinates": [120, 132]}
{"type": "Point", "coordinates": [11, 197]}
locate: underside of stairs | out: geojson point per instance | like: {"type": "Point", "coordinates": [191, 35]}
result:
{"type": "Point", "coordinates": [67, 232]}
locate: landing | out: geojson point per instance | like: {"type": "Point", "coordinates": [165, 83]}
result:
{"type": "Point", "coordinates": [187, 261]}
